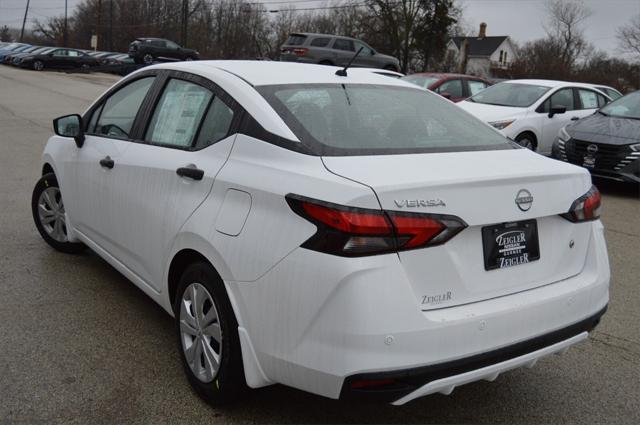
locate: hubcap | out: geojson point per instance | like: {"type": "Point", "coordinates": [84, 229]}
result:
{"type": "Point", "coordinates": [148, 59]}
{"type": "Point", "coordinates": [52, 215]}
{"type": "Point", "coordinates": [526, 143]}
{"type": "Point", "coordinates": [38, 65]}
{"type": "Point", "coordinates": [200, 332]}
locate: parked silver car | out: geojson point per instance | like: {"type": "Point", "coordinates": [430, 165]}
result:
{"type": "Point", "coordinates": [327, 49]}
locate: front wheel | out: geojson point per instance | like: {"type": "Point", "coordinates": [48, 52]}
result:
{"type": "Point", "coordinates": [147, 58]}
{"type": "Point", "coordinates": [526, 140]}
{"type": "Point", "coordinates": [50, 217]}
{"type": "Point", "coordinates": [208, 338]}
{"type": "Point", "coordinates": [38, 65]}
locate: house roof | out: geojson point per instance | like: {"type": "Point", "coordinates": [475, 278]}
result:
{"type": "Point", "coordinates": [481, 46]}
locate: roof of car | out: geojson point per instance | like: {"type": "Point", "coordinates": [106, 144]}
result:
{"type": "Point", "coordinates": [316, 34]}
{"type": "Point", "coordinates": [262, 73]}
{"type": "Point", "coordinates": [549, 83]}
{"type": "Point", "coordinates": [446, 75]}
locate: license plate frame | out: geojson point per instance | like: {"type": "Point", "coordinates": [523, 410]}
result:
{"type": "Point", "coordinates": [510, 244]}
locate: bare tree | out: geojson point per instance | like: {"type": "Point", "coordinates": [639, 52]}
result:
{"type": "Point", "coordinates": [564, 26]}
{"type": "Point", "coordinates": [629, 36]}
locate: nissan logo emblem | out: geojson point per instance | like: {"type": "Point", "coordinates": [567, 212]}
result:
{"type": "Point", "coordinates": [592, 149]}
{"type": "Point", "coordinates": [524, 199]}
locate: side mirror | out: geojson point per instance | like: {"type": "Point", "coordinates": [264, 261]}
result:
{"type": "Point", "coordinates": [446, 95]}
{"type": "Point", "coordinates": [70, 126]}
{"type": "Point", "coordinates": [557, 109]}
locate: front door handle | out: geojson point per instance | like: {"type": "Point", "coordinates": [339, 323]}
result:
{"type": "Point", "coordinates": [107, 162]}
{"type": "Point", "coordinates": [191, 172]}
{"type": "Point", "coordinates": [575, 118]}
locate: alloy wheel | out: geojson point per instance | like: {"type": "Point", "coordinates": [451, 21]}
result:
{"type": "Point", "coordinates": [200, 332]}
{"type": "Point", "coordinates": [38, 66]}
{"type": "Point", "coordinates": [52, 215]}
{"type": "Point", "coordinates": [148, 59]}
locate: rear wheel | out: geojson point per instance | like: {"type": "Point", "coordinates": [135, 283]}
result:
{"type": "Point", "coordinates": [325, 62]}
{"type": "Point", "coordinates": [85, 67]}
{"type": "Point", "coordinates": [50, 217]}
{"type": "Point", "coordinates": [207, 333]}
{"type": "Point", "coordinates": [527, 140]}
{"type": "Point", "coordinates": [147, 58]}
{"type": "Point", "coordinates": [38, 65]}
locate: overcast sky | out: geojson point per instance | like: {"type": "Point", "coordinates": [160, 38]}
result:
{"type": "Point", "coordinates": [521, 19]}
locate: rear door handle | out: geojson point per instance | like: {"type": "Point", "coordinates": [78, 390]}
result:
{"type": "Point", "coordinates": [107, 162]}
{"type": "Point", "coordinates": [191, 172]}
{"type": "Point", "coordinates": [575, 118]}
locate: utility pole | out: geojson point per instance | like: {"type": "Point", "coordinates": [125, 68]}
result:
{"type": "Point", "coordinates": [111, 25]}
{"type": "Point", "coordinates": [98, 24]}
{"type": "Point", "coordinates": [65, 38]}
{"type": "Point", "coordinates": [185, 17]}
{"type": "Point", "coordinates": [24, 21]}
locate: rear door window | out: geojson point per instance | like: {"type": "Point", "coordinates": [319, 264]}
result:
{"type": "Point", "coordinates": [588, 99]}
{"type": "Point", "coordinates": [216, 124]}
{"type": "Point", "coordinates": [453, 87]}
{"type": "Point", "coordinates": [320, 42]}
{"type": "Point", "coordinates": [343, 44]}
{"type": "Point", "coordinates": [178, 114]}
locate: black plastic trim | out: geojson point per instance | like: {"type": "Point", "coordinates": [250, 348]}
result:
{"type": "Point", "coordinates": [408, 380]}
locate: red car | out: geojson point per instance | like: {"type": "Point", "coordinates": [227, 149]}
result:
{"type": "Point", "coordinates": [455, 87]}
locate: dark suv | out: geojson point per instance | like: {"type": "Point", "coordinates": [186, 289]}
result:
{"type": "Point", "coordinates": [328, 49]}
{"type": "Point", "coordinates": [147, 49]}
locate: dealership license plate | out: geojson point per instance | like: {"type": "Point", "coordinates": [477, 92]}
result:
{"type": "Point", "coordinates": [510, 244]}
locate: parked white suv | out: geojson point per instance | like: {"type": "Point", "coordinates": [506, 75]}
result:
{"type": "Point", "coordinates": [345, 235]}
{"type": "Point", "coordinates": [532, 112]}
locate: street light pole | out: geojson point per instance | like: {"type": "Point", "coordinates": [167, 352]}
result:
{"type": "Point", "coordinates": [65, 40]}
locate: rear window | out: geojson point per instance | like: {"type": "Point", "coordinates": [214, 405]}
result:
{"type": "Point", "coordinates": [320, 42]}
{"type": "Point", "coordinates": [296, 40]}
{"type": "Point", "coordinates": [359, 119]}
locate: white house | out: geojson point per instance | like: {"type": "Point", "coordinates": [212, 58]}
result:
{"type": "Point", "coordinates": [484, 54]}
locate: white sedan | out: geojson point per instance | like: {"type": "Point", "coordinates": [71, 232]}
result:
{"type": "Point", "coordinates": [532, 112]}
{"type": "Point", "coordinates": [348, 235]}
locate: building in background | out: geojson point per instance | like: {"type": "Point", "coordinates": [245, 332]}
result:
{"type": "Point", "coordinates": [483, 56]}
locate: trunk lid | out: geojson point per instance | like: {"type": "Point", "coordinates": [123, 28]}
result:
{"type": "Point", "coordinates": [481, 189]}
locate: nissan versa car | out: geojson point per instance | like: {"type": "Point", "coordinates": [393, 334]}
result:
{"type": "Point", "coordinates": [347, 234]}
{"type": "Point", "coordinates": [531, 112]}
{"type": "Point", "coordinates": [607, 143]}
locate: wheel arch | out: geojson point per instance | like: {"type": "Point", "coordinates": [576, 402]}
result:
{"type": "Point", "coordinates": [47, 168]}
{"type": "Point", "coordinates": [202, 251]}
{"type": "Point", "coordinates": [531, 133]}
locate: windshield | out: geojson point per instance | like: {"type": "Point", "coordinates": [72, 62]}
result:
{"type": "Point", "coordinates": [420, 80]}
{"type": "Point", "coordinates": [359, 119]}
{"type": "Point", "coordinates": [510, 94]}
{"type": "Point", "coordinates": [626, 107]}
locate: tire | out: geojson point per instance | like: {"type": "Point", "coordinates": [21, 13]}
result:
{"type": "Point", "coordinates": [85, 67]}
{"type": "Point", "coordinates": [188, 59]}
{"type": "Point", "coordinates": [527, 140]}
{"type": "Point", "coordinates": [49, 215]}
{"type": "Point", "coordinates": [391, 68]}
{"type": "Point", "coordinates": [147, 59]}
{"type": "Point", "coordinates": [325, 62]}
{"type": "Point", "coordinates": [226, 383]}
{"type": "Point", "coordinates": [38, 65]}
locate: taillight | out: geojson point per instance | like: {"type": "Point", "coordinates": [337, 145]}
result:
{"type": "Point", "coordinates": [352, 232]}
{"type": "Point", "coordinates": [586, 207]}
{"type": "Point", "coordinates": [300, 51]}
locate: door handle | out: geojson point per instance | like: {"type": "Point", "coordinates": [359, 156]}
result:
{"type": "Point", "coordinates": [107, 162]}
{"type": "Point", "coordinates": [575, 118]}
{"type": "Point", "coordinates": [191, 172]}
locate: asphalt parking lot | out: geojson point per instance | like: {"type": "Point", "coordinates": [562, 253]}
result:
{"type": "Point", "coordinates": [79, 343]}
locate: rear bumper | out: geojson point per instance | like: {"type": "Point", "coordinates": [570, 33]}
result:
{"type": "Point", "coordinates": [402, 386]}
{"type": "Point", "coordinates": [318, 322]}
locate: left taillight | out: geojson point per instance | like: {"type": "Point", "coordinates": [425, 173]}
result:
{"type": "Point", "coordinates": [300, 51]}
{"type": "Point", "coordinates": [585, 208]}
{"type": "Point", "coordinates": [352, 232]}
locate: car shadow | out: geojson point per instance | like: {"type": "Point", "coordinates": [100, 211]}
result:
{"type": "Point", "coordinates": [622, 189]}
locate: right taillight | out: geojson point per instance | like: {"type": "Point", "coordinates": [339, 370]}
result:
{"type": "Point", "coordinates": [353, 232]}
{"type": "Point", "coordinates": [586, 207]}
{"type": "Point", "coordinates": [300, 51]}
